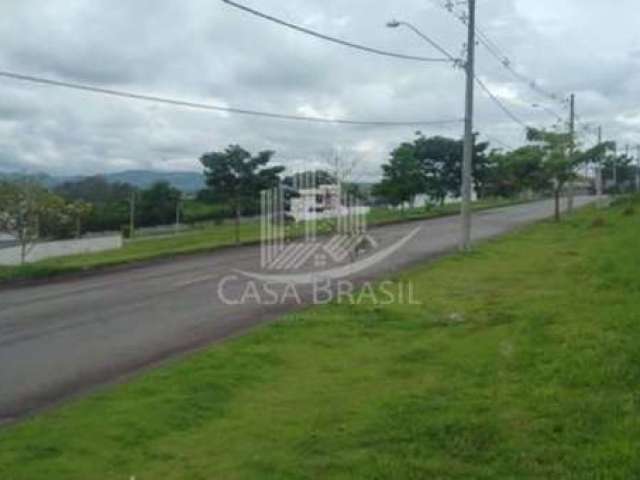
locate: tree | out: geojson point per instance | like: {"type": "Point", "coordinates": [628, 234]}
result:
{"type": "Point", "coordinates": [158, 204]}
{"type": "Point", "coordinates": [24, 207]}
{"type": "Point", "coordinates": [109, 200]}
{"type": "Point", "coordinates": [78, 211]}
{"type": "Point", "coordinates": [511, 173]}
{"type": "Point", "coordinates": [403, 178]}
{"type": "Point", "coordinates": [559, 166]}
{"type": "Point", "coordinates": [95, 190]}
{"type": "Point", "coordinates": [619, 169]}
{"type": "Point", "coordinates": [433, 166]}
{"type": "Point", "coordinates": [236, 178]}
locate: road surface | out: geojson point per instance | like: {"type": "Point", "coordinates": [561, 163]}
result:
{"type": "Point", "coordinates": [65, 338]}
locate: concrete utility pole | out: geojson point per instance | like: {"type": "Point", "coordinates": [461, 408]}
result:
{"type": "Point", "coordinates": [638, 169]}
{"type": "Point", "coordinates": [132, 214]}
{"type": "Point", "coordinates": [572, 136]}
{"type": "Point", "coordinates": [615, 168]}
{"type": "Point", "coordinates": [467, 160]}
{"type": "Point", "coordinates": [178, 202]}
{"type": "Point", "coordinates": [599, 169]}
{"type": "Point", "coordinates": [627, 148]}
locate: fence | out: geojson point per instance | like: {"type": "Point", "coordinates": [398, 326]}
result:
{"type": "Point", "coordinates": [41, 251]}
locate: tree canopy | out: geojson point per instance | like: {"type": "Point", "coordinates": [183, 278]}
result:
{"type": "Point", "coordinates": [236, 177]}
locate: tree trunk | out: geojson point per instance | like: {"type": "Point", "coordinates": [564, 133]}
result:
{"type": "Point", "coordinates": [23, 252]}
{"type": "Point", "coordinates": [557, 202]}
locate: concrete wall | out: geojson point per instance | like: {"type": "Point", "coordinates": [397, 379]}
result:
{"type": "Point", "coordinates": [41, 251]}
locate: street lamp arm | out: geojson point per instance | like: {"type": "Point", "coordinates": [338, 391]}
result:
{"type": "Point", "coordinates": [426, 38]}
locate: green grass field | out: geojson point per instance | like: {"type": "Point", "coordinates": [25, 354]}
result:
{"type": "Point", "coordinates": [522, 362]}
{"type": "Point", "coordinates": [198, 240]}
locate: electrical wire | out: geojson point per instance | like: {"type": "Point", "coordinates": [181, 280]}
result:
{"type": "Point", "coordinates": [204, 106]}
{"type": "Point", "coordinates": [503, 58]}
{"type": "Point", "coordinates": [498, 141]}
{"type": "Point", "coordinates": [500, 104]}
{"type": "Point", "coordinates": [333, 39]}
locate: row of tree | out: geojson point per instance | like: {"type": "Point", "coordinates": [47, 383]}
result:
{"type": "Point", "coordinates": [234, 178]}
{"type": "Point", "coordinates": [111, 203]}
{"type": "Point", "coordinates": [432, 167]}
{"type": "Point", "coordinates": [30, 212]}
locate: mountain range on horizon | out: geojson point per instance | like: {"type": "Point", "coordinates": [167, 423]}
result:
{"type": "Point", "coordinates": [188, 182]}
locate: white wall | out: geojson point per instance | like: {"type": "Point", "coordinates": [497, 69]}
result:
{"type": "Point", "coordinates": [41, 251]}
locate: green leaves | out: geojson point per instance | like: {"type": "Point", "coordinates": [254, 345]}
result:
{"type": "Point", "coordinates": [431, 166]}
{"type": "Point", "coordinates": [236, 178]}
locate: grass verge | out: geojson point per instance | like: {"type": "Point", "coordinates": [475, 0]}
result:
{"type": "Point", "coordinates": [522, 362]}
{"type": "Point", "coordinates": [198, 241]}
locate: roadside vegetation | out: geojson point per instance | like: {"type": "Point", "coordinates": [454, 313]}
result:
{"type": "Point", "coordinates": [418, 180]}
{"type": "Point", "coordinates": [207, 238]}
{"type": "Point", "coordinates": [521, 362]}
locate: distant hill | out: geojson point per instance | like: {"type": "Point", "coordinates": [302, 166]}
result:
{"type": "Point", "coordinates": [188, 182]}
{"type": "Point", "coordinates": [185, 181]}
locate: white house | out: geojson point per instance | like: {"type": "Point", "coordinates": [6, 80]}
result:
{"type": "Point", "coordinates": [325, 201]}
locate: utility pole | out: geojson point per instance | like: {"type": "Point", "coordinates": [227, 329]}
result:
{"type": "Point", "coordinates": [467, 160]}
{"type": "Point", "coordinates": [637, 168]}
{"type": "Point", "coordinates": [572, 135]}
{"type": "Point", "coordinates": [132, 214]}
{"type": "Point", "coordinates": [178, 201]}
{"type": "Point", "coordinates": [627, 148]}
{"type": "Point", "coordinates": [599, 169]}
{"type": "Point", "coordinates": [615, 169]}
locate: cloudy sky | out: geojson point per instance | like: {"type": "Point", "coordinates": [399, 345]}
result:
{"type": "Point", "coordinates": [206, 51]}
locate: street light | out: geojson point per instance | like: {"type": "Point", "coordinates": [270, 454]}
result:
{"type": "Point", "coordinates": [396, 23]}
{"type": "Point", "coordinates": [467, 157]}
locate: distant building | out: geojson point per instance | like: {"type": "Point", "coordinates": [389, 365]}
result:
{"type": "Point", "coordinates": [325, 201]}
{"type": "Point", "coordinates": [422, 199]}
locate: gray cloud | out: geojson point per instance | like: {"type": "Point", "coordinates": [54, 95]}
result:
{"type": "Point", "coordinates": [203, 50]}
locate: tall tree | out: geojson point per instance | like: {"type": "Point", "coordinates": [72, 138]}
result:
{"type": "Point", "coordinates": [431, 165]}
{"type": "Point", "coordinates": [511, 173]}
{"type": "Point", "coordinates": [559, 165]}
{"type": "Point", "coordinates": [236, 178]}
{"type": "Point", "coordinates": [403, 178]}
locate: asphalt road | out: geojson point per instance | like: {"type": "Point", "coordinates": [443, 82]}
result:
{"type": "Point", "coordinates": [65, 338]}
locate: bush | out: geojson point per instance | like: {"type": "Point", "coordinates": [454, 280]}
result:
{"type": "Point", "coordinates": [628, 211]}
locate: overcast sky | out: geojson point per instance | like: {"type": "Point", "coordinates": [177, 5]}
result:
{"type": "Point", "coordinates": [207, 51]}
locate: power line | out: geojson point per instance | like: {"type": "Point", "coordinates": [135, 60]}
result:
{"type": "Point", "coordinates": [498, 141]}
{"type": "Point", "coordinates": [333, 39]}
{"type": "Point", "coordinates": [204, 106]}
{"type": "Point", "coordinates": [500, 104]}
{"type": "Point", "coordinates": [502, 57]}
{"type": "Point", "coordinates": [508, 65]}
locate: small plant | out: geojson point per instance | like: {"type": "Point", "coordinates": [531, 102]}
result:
{"type": "Point", "coordinates": [629, 211]}
{"type": "Point", "coordinates": [598, 222]}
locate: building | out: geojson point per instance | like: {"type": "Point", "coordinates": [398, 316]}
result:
{"type": "Point", "coordinates": [324, 201]}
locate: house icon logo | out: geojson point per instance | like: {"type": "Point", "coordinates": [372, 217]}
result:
{"type": "Point", "coordinates": [313, 229]}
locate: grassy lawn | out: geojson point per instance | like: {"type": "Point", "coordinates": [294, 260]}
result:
{"type": "Point", "coordinates": [199, 240]}
{"type": "Point", "coordinates": [522, 362]}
